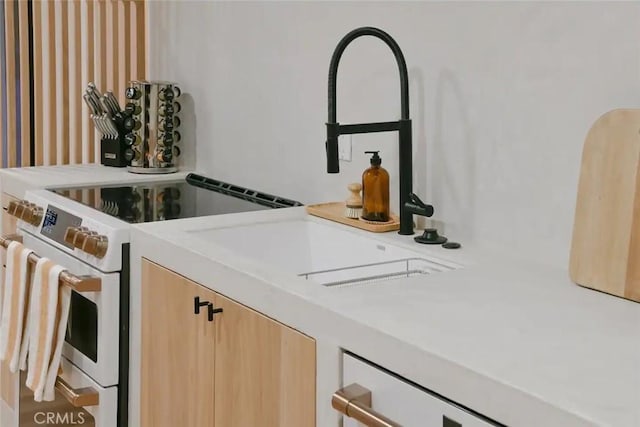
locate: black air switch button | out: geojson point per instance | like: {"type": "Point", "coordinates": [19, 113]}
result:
{"type": "Point", "coordinates": [448, 422]}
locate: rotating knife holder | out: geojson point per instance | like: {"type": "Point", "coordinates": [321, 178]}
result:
{"type": "Point", "coordinates": [151, 127]}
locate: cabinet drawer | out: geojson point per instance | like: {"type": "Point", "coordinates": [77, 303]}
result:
{"type": "Point", "coordinates": [402, 402]}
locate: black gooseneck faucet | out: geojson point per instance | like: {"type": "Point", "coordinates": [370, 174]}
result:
{"type": "Point", "coordinates": [409, 203]}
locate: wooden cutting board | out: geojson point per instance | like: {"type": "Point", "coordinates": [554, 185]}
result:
{"type": "Point", "coordinates": [605, 250]}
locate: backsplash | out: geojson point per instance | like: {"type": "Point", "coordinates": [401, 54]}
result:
{"type": "Point", "coordinates": [501, 95]}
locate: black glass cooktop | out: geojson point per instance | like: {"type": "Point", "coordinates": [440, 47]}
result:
{"type": "Point", "coordinates": [195, 196]}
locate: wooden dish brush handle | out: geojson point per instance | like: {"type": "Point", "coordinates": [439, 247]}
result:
{"type": "Point", "coordinates": [354, 200]}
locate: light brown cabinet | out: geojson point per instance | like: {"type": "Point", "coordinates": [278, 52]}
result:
{"type": "Point", "coordinates": [236, 368]}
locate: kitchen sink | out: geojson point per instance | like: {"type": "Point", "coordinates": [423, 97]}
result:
{"type": "Point", "coordinates": [323, 253]}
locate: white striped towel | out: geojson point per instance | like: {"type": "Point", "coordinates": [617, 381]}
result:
{"type": "Point", "coordinates": [14, 304]}
{"type": "Point", "coordinates": [43, 328]}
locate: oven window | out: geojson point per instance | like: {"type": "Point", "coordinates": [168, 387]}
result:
{"type": "Point", "coordinates": [82, 328]}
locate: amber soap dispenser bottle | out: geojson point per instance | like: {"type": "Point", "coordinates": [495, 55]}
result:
{"type": "Point", "coordinates": [375, 191]}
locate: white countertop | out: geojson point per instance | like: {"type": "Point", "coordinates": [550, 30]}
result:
{"type": "Point", "coordinates": [509, 339]}
{"type": "Point", "coordinates": [16, 181]}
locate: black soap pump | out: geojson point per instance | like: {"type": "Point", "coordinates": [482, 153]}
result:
{"type": "Point", "coordinates": [375, 191]}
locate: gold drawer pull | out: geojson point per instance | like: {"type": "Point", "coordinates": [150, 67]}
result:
{"type": "Point", "coordinates": [354, 401]}
{"type": "Point", "coordinates": [77, 397]}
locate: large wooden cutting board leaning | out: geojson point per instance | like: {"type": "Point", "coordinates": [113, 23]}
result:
{"type": "Point", "coordinates": [605, 251]}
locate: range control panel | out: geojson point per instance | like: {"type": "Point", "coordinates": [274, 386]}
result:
{"type": "Point", "coordinates": [56, 222]}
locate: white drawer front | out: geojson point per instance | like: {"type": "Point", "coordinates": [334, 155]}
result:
{"type": "Point", "coordinates": [402, 402]}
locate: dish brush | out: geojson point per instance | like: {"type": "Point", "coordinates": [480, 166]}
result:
{"type": "Point", "coordinates": [353, 207]}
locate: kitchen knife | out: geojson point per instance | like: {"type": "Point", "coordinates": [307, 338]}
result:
{"type": "Point", "coordinates": [89, 101]}
{"type": "Point", "coordinates": [107, 107]}
{"type": "Point", "coordinates": [95, 96]}
{"type": "Point", "coordinates": [113, 101]}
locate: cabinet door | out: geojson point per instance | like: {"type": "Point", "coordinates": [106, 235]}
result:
{"type": "Point", "coordinates": [177, 374]}
{"type": "Point", "coordinates": [402, 402]}
{"type": "Point", "coordinates": [265, 371]}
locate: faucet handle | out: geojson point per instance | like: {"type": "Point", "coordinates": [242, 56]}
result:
{"type": "Point", "coordinates": [416, 200]}
{"type": "Point", "coordinates": [417, 206]}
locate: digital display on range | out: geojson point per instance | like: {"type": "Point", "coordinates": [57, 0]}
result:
{"type": "Point", "coordinates": [55, 224]}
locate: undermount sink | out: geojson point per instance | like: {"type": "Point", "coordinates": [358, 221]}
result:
{"type": "Point", "coordinates": [322, 253]}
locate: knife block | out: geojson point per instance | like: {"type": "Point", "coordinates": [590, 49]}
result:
{"type": "Point", "coordinates": [112, 151]}
{"type": "Point", "coordinates": [605, 249]}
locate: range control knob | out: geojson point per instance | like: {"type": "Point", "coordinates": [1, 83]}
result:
{"type": "Point", "coordinates": [70, 234]}
{"type": "Point", "coordinates": [73, 233]}
{"type": "Point", "coordinates": [28, 212]}
{"type": "Point", "coordinates": [79, 236]}
{"type": "Point", "coordinates": [96, 245]}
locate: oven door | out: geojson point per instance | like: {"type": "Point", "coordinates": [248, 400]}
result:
{"type": "Point", "coordinates": [79, 401]}
{"type": "Point", "coordinates": [91, 342]}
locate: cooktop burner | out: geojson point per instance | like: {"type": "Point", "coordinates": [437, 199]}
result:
{"type": "Point", "coordinates": [195, 196]}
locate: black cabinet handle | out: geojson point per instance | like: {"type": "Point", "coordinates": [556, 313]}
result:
{"type": "Point", "coordinates": [197, 304]}
{"type": "Point", "coordinates": [210, 310]}
{"type": "Point", "coordinates": [213, 311]}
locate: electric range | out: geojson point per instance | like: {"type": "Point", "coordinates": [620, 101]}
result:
{"type": "Point", "coordinates": [86, 230]}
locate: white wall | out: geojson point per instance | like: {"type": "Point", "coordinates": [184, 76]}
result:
{"type": "Point", "coordinates": [502, 96]}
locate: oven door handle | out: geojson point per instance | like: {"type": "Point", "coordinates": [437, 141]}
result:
{"type": "Point", "coordinates": [76, 283]}
{"type": "Point", "coordinates": [77, 397]}
{"type": "Point", "coordinates": [354, 401]}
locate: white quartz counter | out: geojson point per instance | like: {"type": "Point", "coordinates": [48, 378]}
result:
{"type": "Point", "coordinates": [509, 339]}
{"type": "Point", "coordinates": [16, 181]}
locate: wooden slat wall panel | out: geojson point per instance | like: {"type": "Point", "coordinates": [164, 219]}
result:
{"type": "Point", "coordinates": [138, 40]}
{"type": "Point", "coordinates": [86, 27]}
{"type": "Point", "coordinates": [25, 79]}
{"type": "Point", "coordinates": [100, 57]}
{"type": "Point", "coordinates": [124, 45]}
{"type": "Point", "coordinates": [75, 84]}
{"type": "Point", "coordinates": [2, 105]}
{"type": "Point", "coordinates": [62, 82]}
{"type": "Point", "coordinates": [74, 42]}
{"type": "Point", "coordinates": [38, 49]}
{"type": "Point", "coordinates": [49, 141]}
{"type": "Point", "coordinates": [10, 63]}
